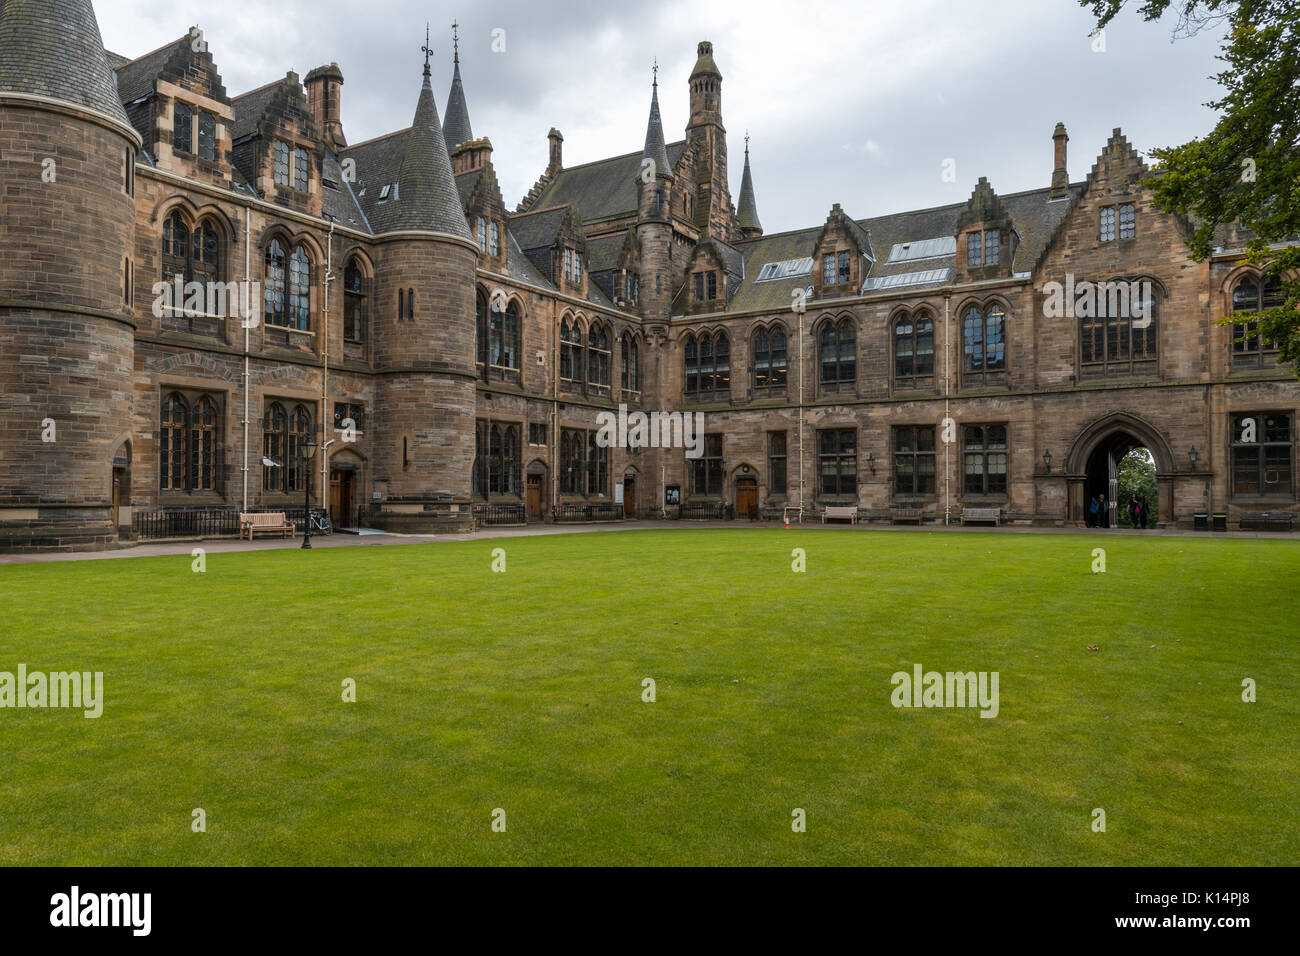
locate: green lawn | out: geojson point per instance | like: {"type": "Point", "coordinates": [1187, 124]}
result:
{"type": "Point", "coordinates": [522, 691]}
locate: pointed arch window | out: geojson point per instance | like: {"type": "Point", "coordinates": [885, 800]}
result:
{"type": "Point", "coordinates": [480, 328]}
{"type": "Point", "coordinates": [284, 430]}
{"type": "Point", "coordinates": [299, 316]}
{"type": "Point", "coordinates": [572, 366]}
{"type": "Point", "coordinates": [598, 355]}
{"type": "Point", "coordinates": [1118, 329]}
{"type": "Point", "coordinates": [984, 346]}
{"type": "Point", "coordinates": [838, 355]}
{"type": "Point", "coordinates": [503, 337]}
{"type": "Point", "coordinates": [769, 361]}
{"type": "Point", "coordinates": [188, 427]}
{"type": "Point", "coordinates": [356, 302]}
{"type": "Point", "coordinates": [503, 460]}
{"type": "Point", "coordinates": [914, 351]}
{"type": "Point", "coordinates": [273, 285]}
{"type": "Point", "coordinates": [1249, 348]}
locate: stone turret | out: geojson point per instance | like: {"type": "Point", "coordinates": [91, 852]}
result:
{"type": "Point", "coordinates": [67, 161]}
{"type": "Point", "coordinates": [425, 350]}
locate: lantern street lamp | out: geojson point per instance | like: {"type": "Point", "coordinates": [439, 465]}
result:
{"type": "Point", "coordinates": [307, 449]}
{"type": "Point", "coordinates": [1047, 460]}
{"type": "Point", "coordinates": [1193, 454]}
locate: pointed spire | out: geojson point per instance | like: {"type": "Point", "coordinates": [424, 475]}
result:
{"type": "Point", "coordinates": [654, 133]}
{"type": "Point", "coordinates": [428, 198]}
{"type": "Point", "coordinates": [457, 130]}
{"type": "Point", "coordinates": [54, 49]}
{"type": "Point", "coordinates": [747, 210]}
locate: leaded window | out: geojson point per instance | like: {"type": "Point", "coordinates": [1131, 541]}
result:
{"type": "Point", "coordinates": [299, 316]}
{"type": "Point", "coordinates": [1113, 340]}
{"type": "Point", "coordinates": [1106, 228]}
{"type": "Point", "coordinates": [281, 163]}
{"type": "Point", "coordinates": [770, 362]}
{"type": "Point", "coordinates": [776, 462]}
{"type": "Point", "coordinates": [1262, 454]}
{"type": "Point", "coordinates": [1127, 221]}
{"type": "Point", "coordinates": [838, 355]}
{"type": "Point", "coordinates": [273, 285]}
{"type": "Point", "coordinates": [598, 355]}
{"type": "Point", "coordinates": [182, 127]}
{"type": "Point", "coordinates": [207, 128]}
{"type": "Point", "coordinates": [837, 455]}
{"type": "Point", "coordinates": [300, 167]}
{"type": "Point", "coordinates": [356, 303]}
{"type": "Point", "coordinates": [914, 460]}
{"type": "Point", "coordinates": [914, 351]}
{"type": "Point", "coordinates": [1249, 348]}
{"type": "Point", "coordinates": [974, 250]}
{"type": "Point", "coordinates": [984, 346]}
{"type": "Point", "coordinates": [985, 456]}
{"type": "Point", "coordinates": [706, 471]}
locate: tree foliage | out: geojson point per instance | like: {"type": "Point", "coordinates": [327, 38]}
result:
{"type": "Point", "coordinates": [1248, 167]}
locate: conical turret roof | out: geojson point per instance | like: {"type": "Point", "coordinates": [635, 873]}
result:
{"type": "Point", "coordinates": [747, 210]}
{"type": "Point", "coordinates": [53, 48]}
{"type": "Point", "coordinates": [427, 197]}
{"type": "Point", "coordinates": [457, 130]}
{"type": "Point", "coordinates": [654, 137]}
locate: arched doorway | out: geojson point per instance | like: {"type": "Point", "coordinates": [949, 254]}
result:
{"type": "Point", "coordinates": [746, 493]}
{"type": "Point", "coordinates": [535, 490]}
{"type": "Point", "coordinates": [121, 503]}
{"type": "Point", "coordinates": [344, 483]}
{"type": "Point", "coordinates": [1095, 464]}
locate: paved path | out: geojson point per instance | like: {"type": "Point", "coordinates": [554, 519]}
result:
{"type": "Point", "coordinates": [224, 545]}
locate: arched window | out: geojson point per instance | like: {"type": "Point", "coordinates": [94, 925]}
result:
{"type": "Point", "coordinates": [171, 443]}
{"type": "Point", "coordinates": [299, 429]}
{"type": "Point", "coordinates": [205, 251]}
{"type": "Point", "coordinates": [984, 346]}
{"type": "Point", "coordinates": [1249, 349]}
{"type": "Point", "coordinates": [203, 445]}
{"type": "Point", "coordinates": [503, 336]}
{"type": "Point", "coordinates": [175, 258]}
{"type": "Point", "coordinates": [480, 330]}
{"type": "Point", "coordinates": [511, 344]}
{"type": "Point", "coordinates": [273, 291]}
{"type": "Point", "coordinates": [410, 305]}
{"type": "Point", "coordinates": [838, 355]}
{"type": "Point", "coordinates": [299, 316]}
{"type": "Point", "coordinates": [770, 368]}
{"type": "Point", "coordinates": [691, 366]}
{"type": "Point", "coordinates": [503, 460]}
{"type": "Point", "coordinates": [598, 355]}
{"type": "Point", "coordinates": [356, 302]}
{"type": "Point", "coordinates": [401, 307]}
{"type": "Point", "coordinates": [914, 351]}
{"type": "Point", "coordinates": [706, 366]}
{"type": "Point", "coordinates": [275, 428]}
{"type": "Point", "coordinates": [721, 366]}
{"type": "Point", "coordinates": [1118, 325]}
{"type": "Point", "coordinates": [571, 364]}
{"type": "Point", "coordinates": [631, 380]}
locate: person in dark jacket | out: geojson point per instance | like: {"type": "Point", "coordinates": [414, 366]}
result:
{"type": "Point", "coordinates": [1091, 519]}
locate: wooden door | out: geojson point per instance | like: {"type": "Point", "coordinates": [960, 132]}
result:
{"type": "Point", "coordinates": [746, 498]}
{"type": "Point", "coordinates": [534, 499]}
{"type": "Point", "coordinates": [341, 484]}
{"type": "Point", "coordinates": [629, 497]}
{"type": "Point", "coordinates": [117, 497]}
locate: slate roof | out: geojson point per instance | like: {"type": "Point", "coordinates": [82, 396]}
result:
{"type": "Point", "coordinates": [603, 189]}
{"type": "Point", "coordinates": [250, 106]}
{"type": "Point", "coordinates": [428, 199]}
{"type": "Point", "coordinates": [465, 183]}
{"type": "Point", "coordinates": [457, 129]}
{"type": "Point", "coordinates": [53, 48]}
{"type": "Point", "coordinates": [521, 267]}
{"type": "Point", "coordinates": [378, 162]}
{"type": "Point", "coordinates": [747, 209]}
{"type": "Point", "coordinates": [340, 204]}
{"type": "Point", "coordinates": [655, 151]}
{"type": "Point", "coordinates": [537, 230]}
{"type": "Point", "coordinates": [135, 78]}
{"type": "Point", "coordinates": [603, 253]}
{"type": "Point", "coordinates": [1036, 221]}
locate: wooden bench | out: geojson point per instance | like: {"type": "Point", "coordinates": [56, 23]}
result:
{"type": "Point", "coordinates": [847, 513]}
{"type": "Point", "coordinates": [1267, 520]}
{"type": "Point", "coordinates": [906, 514]}
{"type": "Point", "coordinates": [981, 514]}
{"type": "Point", "coordinates": [268, 521]}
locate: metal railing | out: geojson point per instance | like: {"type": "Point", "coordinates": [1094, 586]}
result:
{"type": "Point", "coordinates": [198, 522]}
{"type": "Point", "coordinates": [500, 514]}
{"type": "Point", "coordinates": [592, 512]}
{"type": "Point", "coordinates": [707, 510]}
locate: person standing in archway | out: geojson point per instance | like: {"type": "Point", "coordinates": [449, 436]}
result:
{"type": "Point", "coordinates": [1134, 510]}
{"type": "Point", "coordinates": [1103, 514]}
{"type": "Point", "coordinates": [1091, 520]}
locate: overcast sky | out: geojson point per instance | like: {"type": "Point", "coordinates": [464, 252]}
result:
{"type": "Point", "coordinates": [858, 103]}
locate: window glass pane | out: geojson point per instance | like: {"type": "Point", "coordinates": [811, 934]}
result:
{"type": "Point", "coordinates": [281, 163]}
{"type": "Point", "coordinates": [300, 169]}
{"type": "Point", "coordinates": [182, 128]}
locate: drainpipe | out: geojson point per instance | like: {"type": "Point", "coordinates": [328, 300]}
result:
{"type": "Point", "coordinates": [247, 314]}
{"type": "Point", "coordinates": [325, 376]}
{"type": "Point", "coordinates": [554, 440]}
{"type": "Point", "coordinates": [801, 417]}
{"type": "Point", "coordinates": [947, 393]}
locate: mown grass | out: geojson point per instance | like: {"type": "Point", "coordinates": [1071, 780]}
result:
{"type": "Point", "coordinates": [523, 691]}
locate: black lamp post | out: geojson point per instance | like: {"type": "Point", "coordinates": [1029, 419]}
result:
{"type": "Point", "coordinates": [1047, 460]}
{"type": "Point", "coordinates": [307, 449]}
{"type": "Point", "coordinates": [871, 462]}
{"type": "Point", "coordinates": [1193, 454]}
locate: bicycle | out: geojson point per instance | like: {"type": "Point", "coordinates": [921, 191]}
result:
{"type": "Point", "coordinates": [320, 522]}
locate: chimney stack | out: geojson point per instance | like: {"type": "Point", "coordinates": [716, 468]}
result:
{"type": "Point", "coordinates": [557, 151]}
{"type": "Point", "coordinates": [323, 85]}
{"type": "Point", "coordinates": [1060, 178]}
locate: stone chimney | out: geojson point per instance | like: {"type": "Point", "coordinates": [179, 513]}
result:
{"type": "Point", "coordinates": [557, 152]}
{"type": "Point", "coordinates": [1060, 177]}
{"type": "Point", "coordinates": [472, 155]}
{"type": "Point", "coordinates": [323, 92]}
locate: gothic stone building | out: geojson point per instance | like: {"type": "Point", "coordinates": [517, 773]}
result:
{"type": "Point", "coordinates": [446, 351]}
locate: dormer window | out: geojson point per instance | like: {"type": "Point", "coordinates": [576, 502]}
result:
{"type": "Point", "coordinates": [189, 123]}
{"type": "Point", "coordinates": [577, 267]}
{"type": "Point", "coordinates": [844, 259]}
{"type": "Point", "coordinates": [494, 239]}
{"type": "Point", "coordinates": [706, 286]}
{"type": "Point", "coordinates": [982, 249]}
{"type": "Point", "coordinates": [300, 174]}
{"type": "Point", "coordinates": [281, 163]}
{"type": "Point", "coordinates": [481, 232]}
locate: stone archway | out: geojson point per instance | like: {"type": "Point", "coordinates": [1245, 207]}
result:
{"type": "Point", "coordinates": [1094, 456]}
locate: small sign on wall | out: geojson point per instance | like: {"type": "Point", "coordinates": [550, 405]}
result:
{"type": "Point", "coordinates": [618, 492]}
